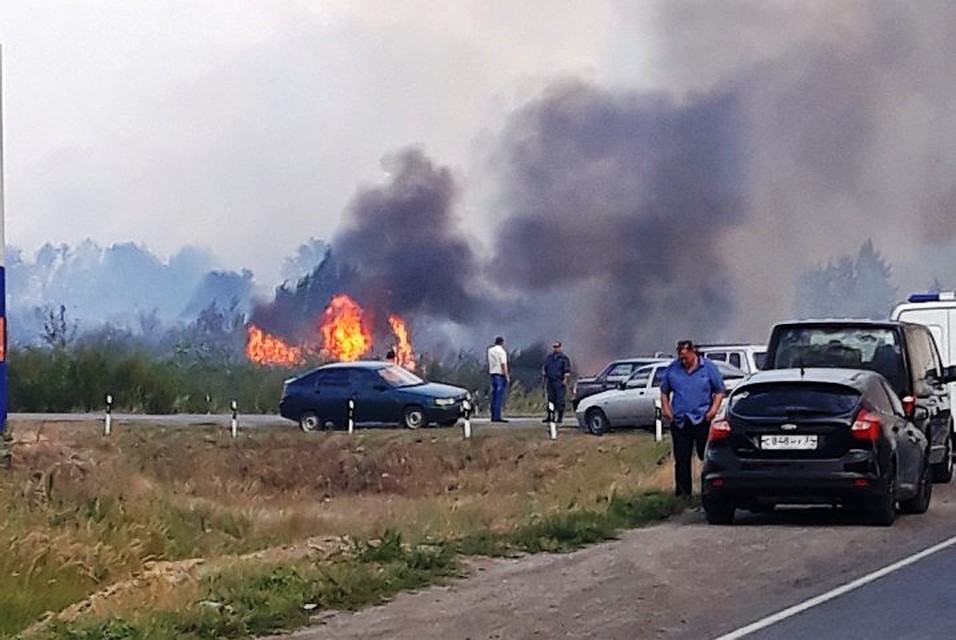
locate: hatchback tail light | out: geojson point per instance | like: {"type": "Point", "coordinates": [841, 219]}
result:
{"type": "Point", "coordinates": [719, 427]}
{"type": "Point", "coordinates": [867, 426]}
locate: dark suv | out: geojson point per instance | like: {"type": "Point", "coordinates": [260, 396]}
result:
{"type": "Point", "coordinates": [904, 353]}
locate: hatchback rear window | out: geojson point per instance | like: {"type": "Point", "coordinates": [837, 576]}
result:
{"type": "Point", "coordinates": [794, 400]}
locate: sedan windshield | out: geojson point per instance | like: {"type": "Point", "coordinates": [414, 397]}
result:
{"type": "Point", "coordinates": [399, 377]}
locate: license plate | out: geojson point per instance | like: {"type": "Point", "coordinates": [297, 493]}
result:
{"type": "Point", "coordinates": [786, 441]}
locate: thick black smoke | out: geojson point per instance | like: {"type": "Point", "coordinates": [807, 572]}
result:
{"type": "Point", "coordinates": [401, 250]}
{"type": "Point", "coordinates": [618, 200]}
{"type": "Point", "coordinates": [406, 245]}
{"type": "Point", "coordinates": [782, 137]}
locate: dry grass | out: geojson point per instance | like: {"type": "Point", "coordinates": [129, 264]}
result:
{"type": "Point", "coordinates": [137, 521]}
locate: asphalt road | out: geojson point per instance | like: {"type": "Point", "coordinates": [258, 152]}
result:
{"type": "Point", "coordinates": [251, 420]}
{"type": "Point", "coordinates": [913, 602]}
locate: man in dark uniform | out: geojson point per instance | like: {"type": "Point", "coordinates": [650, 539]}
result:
{"type": "Point", "coordinates": [556, 371]}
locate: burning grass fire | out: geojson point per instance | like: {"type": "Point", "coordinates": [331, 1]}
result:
{"type": "Point", "coordinates": [265, 349]}
{"type": "Point", "coordinates": [404, 356]}
{"type": "Point", "coordinates": [345, 334]}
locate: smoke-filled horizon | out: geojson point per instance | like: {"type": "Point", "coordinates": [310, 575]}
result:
{"type": "Point", "coordinates": [613, 175]}
{"type": "Point", "coordinates": [628, 220]}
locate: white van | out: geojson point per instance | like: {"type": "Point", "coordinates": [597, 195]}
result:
{"type": "Point", "coordinates": [937, 311]}
{"type": "Point", "coordinates": [746, 357]}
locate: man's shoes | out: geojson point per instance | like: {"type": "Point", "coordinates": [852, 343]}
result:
{"type": "Point", "coordinates": [502, 420]}
{"type": "Point", "coordinates": [545, 421]}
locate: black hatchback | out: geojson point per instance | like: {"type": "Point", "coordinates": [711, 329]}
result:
{"type": "Point", "coordinates": [815, 436]}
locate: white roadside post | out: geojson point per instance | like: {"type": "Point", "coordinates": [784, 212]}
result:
{"type": "Point", "coordinates": [658, 422]}
{"type": "Point", "coordinates": [108, 423]}
{"type": "Point", "coordinates": [351, 416]}
{"type": "Point", "coordinates": [552, 425]}
{"type": "Point", "coordinates": [235, 420]}
{"type": "Point", "coordinates": [466, 419]}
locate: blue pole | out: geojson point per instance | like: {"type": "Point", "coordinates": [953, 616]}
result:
{"type": "Point", "coordinates": [3, 278]}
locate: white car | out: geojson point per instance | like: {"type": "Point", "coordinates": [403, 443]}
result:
{"type": "Point", "coordinates": [747, 357]}
{"type": "Point", "coordinates": [634, 403]}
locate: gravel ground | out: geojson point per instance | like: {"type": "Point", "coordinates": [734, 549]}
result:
{"type": "Point", "coordinates": [682, 579]}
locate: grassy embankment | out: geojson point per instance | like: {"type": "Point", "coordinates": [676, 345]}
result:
{"type": "Point", "coordinates": [187, 533]}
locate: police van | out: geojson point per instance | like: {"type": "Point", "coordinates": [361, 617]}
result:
{"type": "Point", "coordinates": [937, 311]}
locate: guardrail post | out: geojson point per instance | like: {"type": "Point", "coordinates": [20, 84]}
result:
{"type": "Point", "coordinates": [658, 422]}
{"type": "Point", "coordinates": [552, 425]}
{"type": "Point", "coordinates": [108, 423]}
{"type": "Point", "coordinates": [466, 419]}
{"type": "Point", "coordinates": [351, 415]}
{"type": "Point", "coordinates": [235, 420]}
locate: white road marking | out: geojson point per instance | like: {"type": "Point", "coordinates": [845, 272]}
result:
{"type": "Point", "coordinates": [835, 593]}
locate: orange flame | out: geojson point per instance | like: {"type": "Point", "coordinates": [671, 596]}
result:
{"type": "Point", "coordinates": [263, 348]}
{"type": "Point", "coordinates": [344, 335]}
{"type": "Point", "coordinates": [404, 356]}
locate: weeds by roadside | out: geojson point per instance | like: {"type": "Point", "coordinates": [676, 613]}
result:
{"type": "Point", "coordinates": [228, 520]}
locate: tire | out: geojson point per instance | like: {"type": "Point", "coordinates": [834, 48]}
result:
{"type": "Point", "coordinates": [920, 502]}
{"type": "Point", "coordinates": [881, 511]}
{"type": "Point", "coordinates": [596, 422]}
{"type": "Point", "coordinates": [413, 417]}
{"type": "Point", "coordinates": [719, 510]}
{"type": "Point", "coordinates": [310, 421]}
{"type": "Point", "coordinates": [943, 471]}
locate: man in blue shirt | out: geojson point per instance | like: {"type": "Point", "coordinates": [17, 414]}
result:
{"type": "Point", "coordinates": [691, 392]}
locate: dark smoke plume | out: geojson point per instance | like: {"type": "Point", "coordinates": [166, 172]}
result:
{"type": "Point", "coordinates": [405, 243]}
{"type": "Point", "coordinates": [619, 199]}
{"type": "Point", "coordinates": [401, 250]}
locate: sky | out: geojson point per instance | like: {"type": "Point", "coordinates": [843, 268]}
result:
{"type": "Point", "coordinates": [647, 167]}
{"type": "Point", "coordinates": [247, 126]}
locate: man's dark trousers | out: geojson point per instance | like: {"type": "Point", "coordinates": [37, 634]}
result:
{"type": "Point", "coordinates": [556, 392]}
{"type": "Point", "coordinates": [686, 439]}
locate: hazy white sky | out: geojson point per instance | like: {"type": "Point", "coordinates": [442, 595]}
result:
{"type": "Point", "coordinates": [245, 126]}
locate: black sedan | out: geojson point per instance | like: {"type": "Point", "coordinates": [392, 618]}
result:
{"type": "Point", "coordinates": [810, 436]}
{"type": "Point", "coordinates": [373, 392]}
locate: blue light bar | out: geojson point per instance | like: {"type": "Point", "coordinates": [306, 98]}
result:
{"type": "Point", "coordinates": [932, 297]}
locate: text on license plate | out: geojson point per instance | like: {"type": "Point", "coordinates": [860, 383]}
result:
{"type": "Point", "coordinates": [786, 441]}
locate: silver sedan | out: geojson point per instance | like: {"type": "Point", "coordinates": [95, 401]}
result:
{"type": "Point", "coordinates": [634, 403]}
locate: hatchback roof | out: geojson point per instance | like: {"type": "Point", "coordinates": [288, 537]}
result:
{"type": "Point", "coordinates": [852, 377]}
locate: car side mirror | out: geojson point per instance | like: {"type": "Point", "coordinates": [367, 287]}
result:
{"type": "Point", "coordinates": [949, 374]}
{"type": "Point", "coordinates": [920, 414]}
{"type": "Point", "coordinates": [380, 387]}
{"type": "Point", "coordinates": [623, 384]}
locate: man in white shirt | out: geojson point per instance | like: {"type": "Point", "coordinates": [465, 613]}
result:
{"type": "Point", "coordinates": [498, 371]}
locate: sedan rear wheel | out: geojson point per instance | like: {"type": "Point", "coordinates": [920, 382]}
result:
{"type": "Point", "coordinates": [309, 421]}
{"type": "Point", "coordinates": [413, 417]}
{"type": "Point", "coordinates": [596, 421]}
